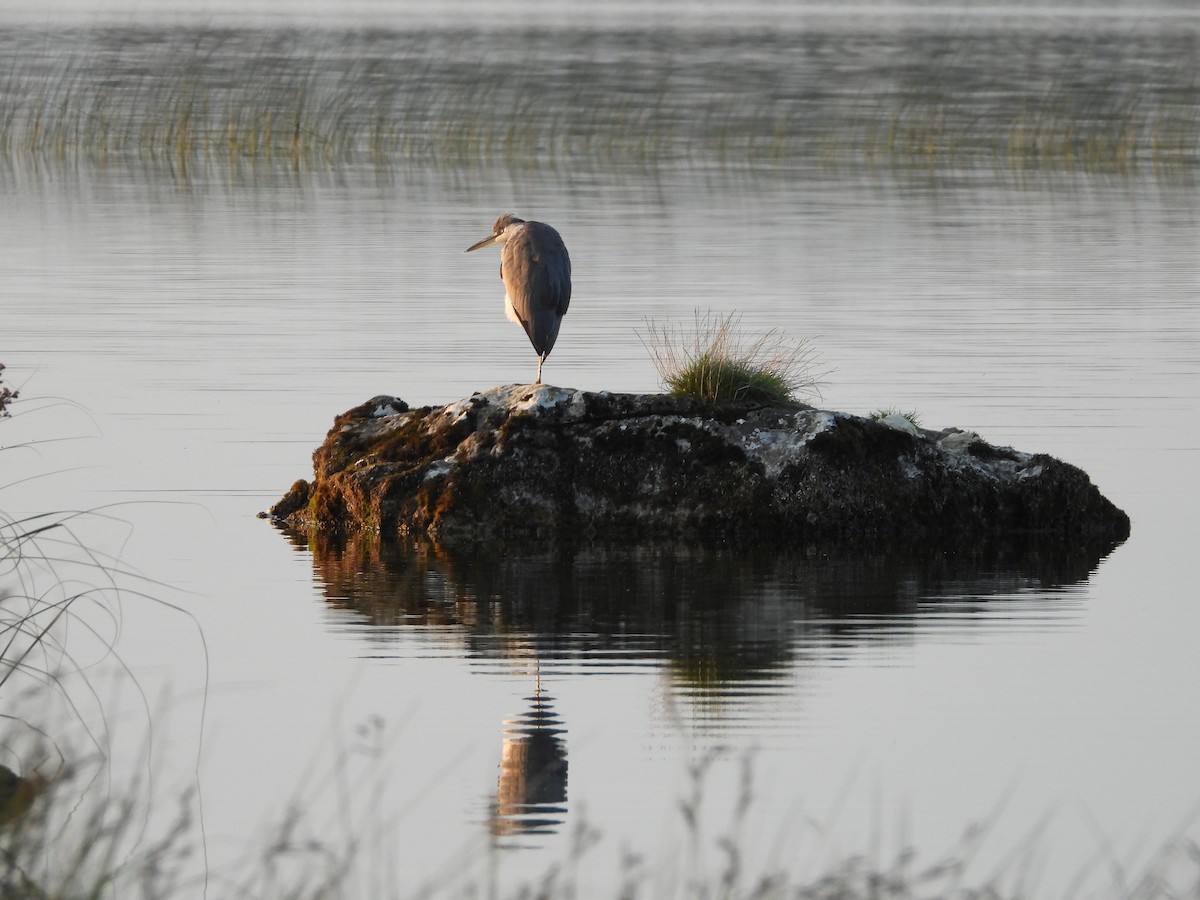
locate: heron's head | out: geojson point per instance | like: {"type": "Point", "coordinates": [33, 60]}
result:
{"type": "Point", "coordinates": [500, 231]}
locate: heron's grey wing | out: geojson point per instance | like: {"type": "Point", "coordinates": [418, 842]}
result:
{"type": "Point", "coordinates": [537, 277]}
{"type": "Point", "coordinates": [554, 248]}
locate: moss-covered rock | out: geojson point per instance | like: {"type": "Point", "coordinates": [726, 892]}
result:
{"type": "Point", "coordinates": [545, 463]}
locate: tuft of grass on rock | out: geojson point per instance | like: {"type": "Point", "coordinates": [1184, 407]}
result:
{"type": "Point", "coordinates": [719, 363]}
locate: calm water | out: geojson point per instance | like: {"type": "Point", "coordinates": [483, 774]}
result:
{"type": "Point", "coordinates": [204, 332]}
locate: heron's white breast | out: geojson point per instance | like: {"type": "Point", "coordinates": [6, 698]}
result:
{"type": "Point", "coordinates": [509, 311]}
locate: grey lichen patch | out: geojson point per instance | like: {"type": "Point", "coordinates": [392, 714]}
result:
{"type": "Point", "coordinates": [900, 422]}
{"type": "Point", "coordinates": [955, 440]}
{"type": "Point", "coordinates": [774, 440]}
{"type": "Point", "coordinates": [550, 463]}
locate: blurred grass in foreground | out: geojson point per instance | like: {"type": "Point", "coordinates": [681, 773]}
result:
{"type": "Point", "coordinates": [110, 849]}
{"type": "Point", "coordinates": [189, 101]}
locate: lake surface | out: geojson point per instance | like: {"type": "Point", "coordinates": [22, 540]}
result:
{"type": "Point", "coordinates": [474, 721]}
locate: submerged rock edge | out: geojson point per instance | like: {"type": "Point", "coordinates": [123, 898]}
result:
{"type": "Point", "coordinates": [546, 463]}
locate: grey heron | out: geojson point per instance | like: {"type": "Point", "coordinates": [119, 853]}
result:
{"type": "Point", "coordinates": [536, 272]}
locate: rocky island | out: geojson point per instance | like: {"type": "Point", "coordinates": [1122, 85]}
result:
{"type": "Point", "coordinates": [544, 463]}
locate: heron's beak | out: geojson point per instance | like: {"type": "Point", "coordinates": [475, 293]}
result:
{"type": "Point", "coordinates": [490, 239]}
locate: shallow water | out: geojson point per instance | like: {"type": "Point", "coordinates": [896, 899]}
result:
{"type": "Point", "coordinates": [206, 331]}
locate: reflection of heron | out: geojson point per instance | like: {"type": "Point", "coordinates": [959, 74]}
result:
{"type": "Point", "coordinates": [536, 271]}
{"type": "Point", "coordinates": [532, 789]}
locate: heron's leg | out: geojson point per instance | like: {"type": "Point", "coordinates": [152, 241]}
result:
{"type": "Point", "coordinates": [541, 359]}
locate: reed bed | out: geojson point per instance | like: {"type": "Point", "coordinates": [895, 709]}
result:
{"type": "Point", "coordinates": [195, 100]}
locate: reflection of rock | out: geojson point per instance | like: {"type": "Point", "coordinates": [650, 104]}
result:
{"type": "Point", "coordinates": [547, 463]}
{"type": "Point", "coordinates": [391, 584]}
{"type": "Point", "coordinates": [715, 615]}
{"type": "Point", "coordinates": [531, 794]}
